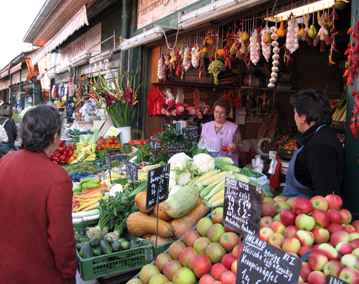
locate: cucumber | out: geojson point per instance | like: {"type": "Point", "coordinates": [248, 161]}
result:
{"type": "Point", "coordinates": [116, 245]}
{"type": "Point", "coordinates": [81, 252]}
{"type": "Point", "coordinates": [105, 247]}
{"type": "Point", "coordinates": [83, 239]}
{"type": "Point", "coordinates": [108, 239]}
{"type": "Point", "coordinates": [97, 250]}
{"type": "Point", "coordinates": [87, 250]}
{"type": "Point", "coordinates": [94, 242]}
{"type": "Point", "coordinates": [125, 245]}
{"type": "Point", "coordinates": [121, 240]}
{"type": "Point", "coordinates": [79, 245]}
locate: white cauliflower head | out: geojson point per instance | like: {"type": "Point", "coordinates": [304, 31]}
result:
{"type": "Point", "coordinates": [173, 179]}
{"type": "Point", "coordinates": [179, 162]}
{"type": "Point", "coordinates": [202, 163]}
{"type": "Point", "coordinates": [184, 178]}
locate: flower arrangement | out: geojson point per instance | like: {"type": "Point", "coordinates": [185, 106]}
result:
{"type": "Point", "coordinates": [119, 97]}
{"type": "Point", "coordinates": [233, 99]}
{"type": "Point", "coordinates": [203, 113]}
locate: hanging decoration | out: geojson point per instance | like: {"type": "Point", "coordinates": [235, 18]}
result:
{"type": "Point", "coordinates": [292, 43]}
{"type": "Point", "coordinates": [161, 73]}
{"type": "Point", "coordinates": [255, 47]}
{"type": "Point", "coordinates": [266, 42]}
{"type": "Point", "coordinates": [305, 33]}
{"type": "Point", "coordinates": [323, 34]}
{"type": "Point", "coordinates": [333, 32]}
{"type": "Point", "coordinates": [275, 57]}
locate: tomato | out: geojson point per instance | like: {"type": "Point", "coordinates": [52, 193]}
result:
{"type": "Point", "coordinates": [229, 149]}
{"type": "Point", "coordinates": [233, 150]}
{"type": "Point", "coordinates": [224, 148]}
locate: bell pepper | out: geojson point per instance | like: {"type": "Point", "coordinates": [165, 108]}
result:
{"type": "Point", "coordinates": [61, 149]}
{"type": "Point", "coordinates": [62, 158]}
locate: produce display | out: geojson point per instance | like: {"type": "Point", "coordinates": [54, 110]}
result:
{"type": "Point", "coordinates": [276, 143]}
{"type": "Point", "coordinates": [62, 155]}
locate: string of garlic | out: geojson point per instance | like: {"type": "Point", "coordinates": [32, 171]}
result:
{"type": "Point", "coordinates": [266, 43]}
{"type": "Point", "coordinates": [186, 59]}
{"type": "Point", "coordinates": [161, 68]}
{"type": "Point", "coordinates": [292, 43]}
{"type": "Point", "coordinates": [255, 47]}
{"type": "Point", "coordinates": [275, 57]}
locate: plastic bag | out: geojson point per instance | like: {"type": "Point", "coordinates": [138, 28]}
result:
{"type": "Point", "coordinates": [204, 144]}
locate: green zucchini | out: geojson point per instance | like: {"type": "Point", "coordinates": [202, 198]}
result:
{"type": "Point", "coordinates": [94, 242]}
{"type": "Point", "coordinates": [79, 245]}
{"type": "Point", "coordinates": [87, 250]}
{"type": "Point", "coordinates": [116, 245]}
{"type": "Point", "coordinates": [97, 250]}
{"type": "Point", "coordinates": [105, 247]}
{"type": "Point", "coordinates": [108, 239]}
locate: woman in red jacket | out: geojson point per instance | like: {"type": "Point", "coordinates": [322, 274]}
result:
{"type": "Point", "coordinates": [37, 236]}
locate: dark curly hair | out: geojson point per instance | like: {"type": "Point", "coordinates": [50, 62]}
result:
{"type": "Point", "coordinates": [314, 104]}
{"type": "Point", "coordinates": [222, 103]}
{"type": "Point", "coordinates": [6, 110]}
{"type": "Point", "coordinates": [38, 128]}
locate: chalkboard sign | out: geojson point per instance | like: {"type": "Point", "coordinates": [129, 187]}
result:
{"type": "Point", "coordinates": [242, 207]}
{"type": "Point", "coordinates": [155, 144]}
{"type": "Point", "coordinates": [174, 149]}
{"type": "Point", "coordinates": [190, 133]}
{"type": "Point", "coordinates": [131, 172]}
{"type": "Point", "coordinates": [261, 262]}
{"type": "Point", "coordinates": [330, 279]}
{"type": "Point", "coordinates": [108, 160]}
{"type": "Point", "coordinates": [157, 185]}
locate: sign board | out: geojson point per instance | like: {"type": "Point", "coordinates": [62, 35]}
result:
{"type": "Point", "coordinates": [261, 262]}
{"type": "Point", "coordinates": [131, 172]}
{"type": "Point", "coordinates": [157, 185]}
{"type": "Point", "coordinates": [174, 149]}
{"type": "Point", "coordinates": [190, 133]}
{"type": "Point", "coordinates": [242, 207]}
{"type": "Point", "coordinates": [330, 279]}
{"type": "Point", "coordinates": [155, 144]}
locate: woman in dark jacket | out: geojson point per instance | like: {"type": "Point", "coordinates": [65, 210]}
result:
{"type": "Point", "coordinates": [10, 127]}
{"type": "Point", "coordinates": [317, 166]}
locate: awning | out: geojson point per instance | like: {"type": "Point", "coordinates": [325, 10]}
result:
{"type": "Point", "coordinates": [15, 68]}
{"type": "Point", "coordinates": [77, 21]}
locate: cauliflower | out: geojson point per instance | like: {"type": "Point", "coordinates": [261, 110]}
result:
{"type": "Point", "coordinates": [184, 178]}
{"type": "Point", "coordinates": [202, 163]}
{"type": "Point", "coordinates": [174, 189]}
{"type": "Point", "coordinates": [173, 179]}
{"type": "Point", "coordinates": [179, 162]}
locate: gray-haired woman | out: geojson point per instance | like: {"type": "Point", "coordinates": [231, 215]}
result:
{"type": "Point", "coordinates": [10, 127]}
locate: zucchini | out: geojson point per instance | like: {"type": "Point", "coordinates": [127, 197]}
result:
{"type": "Point", "coordinates": [182, 201]}
{"type": "Point", "coordinates": [105, 247]}
{"type": "Point", "coordinates": [81, 252]}
{"type": "Point", "coordinates": [79, 246]}
{"type": "Point", "coordinates": [108, 239]}
{"type": "Point", "coordinates": [97, 251]}
{"type": "Point", "coordinates": [116, 245]}
{"type": "Point", "coordinates": [83, 240]}
{"type": "Point", "coordinates": [94, 242]}
{"type": "Point", "coordinates": [87, 250]}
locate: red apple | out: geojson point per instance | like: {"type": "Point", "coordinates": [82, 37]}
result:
{"type": "Point", "coordinates": [334, 201]}
{"type": "Point", "coordinates": [217, 215]}
{"type": "Point", "coordinates": [348, 228]}
{"type": "Point", "coordinates": [237, 250]}
{"type": "Point", "coordinates": [215, 252]}
{"type": "Point", "coordinates": [229, 240]}
{"type": "Point", "coordinates": [228, 259]}
{"type": "Point", "coordinates": [206, 279]}
{"type": "Point", "coordinates": [321, 235]}
{"type": "Point", "coordinates": [291, 244]}
{"type": "Point", "coordinates": [158, 279]}
{"type": "Point", "coordinates": [266, 221]}
{"type": "Point", "coordinates": [234, 267]}
{"type": "Point", "coordinates": [201, 244]}
{"type": "Point", "coordinates": [356, 224]}
{"type": "Point", "coordinates": [227, 277]}
{"type": "Point", "coordinates": [171, 267]}
{"type": "Point", "coordinates": [280, 197]}
{"type": "Point", "coordinates": [329, 251]}
{"type": "Point", "coordinates": [269, 199]}
{"type": "Point", "coordinates": [317, 260]}
{"type": "Point", "coordinates": [344, 248]}
{"type": "Point", "coordinates": [287, 217]}
{"type": "Point", "coordinates": [305, 270]}
{"type": "Point", "coordinates": [306, 238]}
{"type": "Point", "coordinates": [147, 272]}
{"type": "Point", "coordinates": [291, 200]}
{"type": "Point", "coordinates": [319, 202]}
{"type": "Point", "coordinates": [184, 275]}
{"type": "Point", "coordinates": [304, 222]}
{"type": "Point", "coordinates": [316, 277]}
{"type": "Point", "coordinates": [321, 218]}
{"type": "Point", "coordinates": [280, 205]}
{"type": "Point", "coordinates": [276, 239]}
{"type": "Point", "coordinates": [264, 233]}
{"type": "Point", "coordinates": [350, 275]}
{"type": "Point", "coordinates": [175, 249]}
{"type": "Point", "coordinates": [190, 237]}
{"type": "Point", "coordinates": [347, 216]}
{"type": "Point", "coordinates": [277, 217]}
{"type": "Point", "coordinates": [268, 209]}
{"type": "Point", "coordinates": [338, 237]}
{"type": "Point", "coordinates": [335, 216]}
{"type": "Point", "coordinates": [200, 264]}
{"type": "Point", "coordinates": [355, 243]}
{"type": "Point", "coordinates": [349, 260]}
{"type": "Point", "coordinates": [203, 226]}
{"type": "Point", "coordinates": [333, 227]}
{"type": "Point", "coordinates": [229, 229]}
{"type": "Point", "coordinates": [186, 255]}
{"type": "Point", "coordinates": [290, 231]}
{"type": "Point", "coordinates": [162, 259]}
{"type": "Point", "coordinates": [355, 252]}
{"type": "Point", "coordinates": [217, 270]}
{"type": "Point", "coordinates": [278, 227]}
{"type": "Point", "coordinates": [215, 232]}
{"type": "Point", "coordinates": [302, 205]}
{"type": "Point", "coordinates": [332, 267]}
{"type": "Point", "coordinates": [303, 250]}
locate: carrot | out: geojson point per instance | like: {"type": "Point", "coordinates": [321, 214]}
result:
{"type": "Point", "coordinates": [102, 186]}
{"type": "Point", "coordinates": [90, 190]}
{"type": "Point", "coordinates": [91, 196]}
{"type": "Point", "coordinates": [88, 193]}
{"type": "Point", "coordinates": [94, 206]}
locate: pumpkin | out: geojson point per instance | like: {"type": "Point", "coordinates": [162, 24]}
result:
{"type": "Point", "coordinates": [140, 200]}
{"type": "Point", "coordinates": [210, 41]}
{"type": "Point", "coordinates": [151, 238]}
{"type": "Point", "coordinates": [266, 38]}
{"type": "Point", "coordinates": [139, 224]}
{"type": "Point", "coordinates": [245, 35]}
{"type": "Point", "coordinates": [299, 34]}
{"type": "Point", "coordinates": [233, 50]}
{"type": "Point", "coordinates": [281, 31]}
{"type": "Point", "coordinates": [182, 225]}
{"type": "Point", "coordinates": [162, 214]}
{"type": "Point", "coordinates": [220, 52]}
{"type": "Point", "coordinates": [204, 53]}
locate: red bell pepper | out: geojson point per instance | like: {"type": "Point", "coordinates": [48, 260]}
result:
{"type": "Point", "coordinates": [62, 158]}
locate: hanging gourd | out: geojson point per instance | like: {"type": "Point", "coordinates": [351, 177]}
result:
{"type": "Point", "coordinates": [204, 53]}
{"type": "Point", "coordinates": [299, 34]}
{"type": "Point", "coordinates": [266, 43]}
{"type": "Point", "coordinates": [281, 31]}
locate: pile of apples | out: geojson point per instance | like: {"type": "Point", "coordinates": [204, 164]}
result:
{"type": "Point", "coordinates": [319, 226]}
{"type": "Point", "coordinates": [207, 254]}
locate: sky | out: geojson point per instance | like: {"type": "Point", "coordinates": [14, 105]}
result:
{"type": "Point", "coordinates": [16, 17]}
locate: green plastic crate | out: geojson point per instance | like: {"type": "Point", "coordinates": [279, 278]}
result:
{"type": "Point", "coordinates": [114, 263]}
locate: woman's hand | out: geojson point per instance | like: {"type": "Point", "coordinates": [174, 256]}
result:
{"type": "Point", "coordinates": [233, 147]}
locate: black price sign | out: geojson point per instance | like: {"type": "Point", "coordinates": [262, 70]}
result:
{"type": "Point", "coordinates": [190, 133]}
{"type": "Point", "coordinates": [108, 160]}
{"type": "Point", "coordinates": [131, 172]}
{"type": "Point", "coordinates": [261, 262]}
{"type": "Point", "coordinates": [174, 149]}
{"type": "Point", "coordinates": [155, 144]}
{"type": "Point", "coordinates": [157, 185]}
{"type": "Point", "coordinates": [330, 279]}
{"type": "Point", "coordinates": [242, 207]}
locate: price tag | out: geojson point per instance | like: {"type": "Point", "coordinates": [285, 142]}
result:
{"type": "Point", "coordinates": [155, 144]}
{"type": "Point", "coordinates": [242, 207]}
{"type": "Point", "coordinates": [131, 172]}
{"type": "Point", "coordinates": [261, 262]}
{"type": "Point", "coordinates": [108, 160]}
{"type": "Point", "coordinates": [330, 279]}
{"type": "Point", "coordinates": [174, 149]}
{"type": "Point", "coordinates": [157, 185]}
{"type": "Point", "coordinates": [190, 133]}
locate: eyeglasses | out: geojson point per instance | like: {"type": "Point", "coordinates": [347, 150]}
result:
{"type": "Point", "coordinates": [219, 113]}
